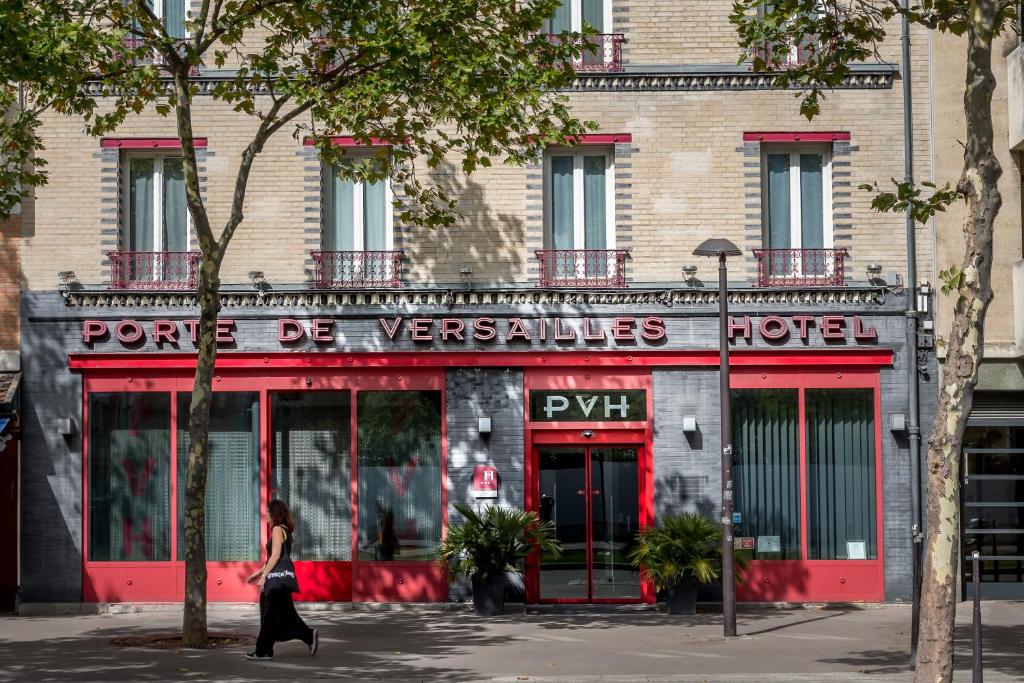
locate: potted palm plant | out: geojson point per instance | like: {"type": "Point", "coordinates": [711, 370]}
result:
{"type": "Point", "coordinates": [683, 551]}
{"type": "Point", "coordinates": [487, 545]}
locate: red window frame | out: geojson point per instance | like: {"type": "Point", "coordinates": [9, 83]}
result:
{"type": "Point", "coordinates": [352, 580]}
{"type": "Point", "coordinates": [823, 580]}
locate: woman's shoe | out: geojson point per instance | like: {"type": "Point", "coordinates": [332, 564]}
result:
{"type": "Point", "coordinates": [258, 657]}
{"type": "Point", "coordinates": [315, 644]}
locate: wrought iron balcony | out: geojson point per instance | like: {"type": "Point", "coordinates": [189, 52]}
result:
{"type": "Point", "coordinates": [357, 269]}
{"type": "Point", "coordinates": [601, 52]}
{"type": "Point", "coordinates": [800, 267]}
{"type": "Point", "coordinates": [588, 268]}
{"type": "Point", "coordinates": [167, 270]}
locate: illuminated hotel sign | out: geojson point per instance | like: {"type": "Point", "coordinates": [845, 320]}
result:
{"type": "Point", "coordinates": [621, 331]}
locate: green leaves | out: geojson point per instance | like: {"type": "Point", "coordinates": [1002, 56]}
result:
{"type": "Point", "coordinates": [909, 196]}
{"type": "Point", "coordinates": [493, 542]}
{"type": "Point", "coordinates": [952, 279]}
{"type": "Point", "coordinates": [688, 544]}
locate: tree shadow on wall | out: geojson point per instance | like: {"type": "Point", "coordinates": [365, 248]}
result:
{"type": "Point", "coordinates": [489, 241]}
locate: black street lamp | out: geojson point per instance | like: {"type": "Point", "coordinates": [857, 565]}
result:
{"type": "Point", "coordinates": [723, 248]}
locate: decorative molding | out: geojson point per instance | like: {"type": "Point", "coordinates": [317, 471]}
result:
{"type": "Point", "coordinates": [637, 79]}
{"type": "Point", "coordinates": [510, 296]}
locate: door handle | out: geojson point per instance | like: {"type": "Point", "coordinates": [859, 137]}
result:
{"type": "Point", "coordinates": [581, 492]}
{"type": "Point", "coordinates": [596, 492]}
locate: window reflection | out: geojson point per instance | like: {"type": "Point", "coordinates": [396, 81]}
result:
{"type": "Point", "coordinates": [399, 473]}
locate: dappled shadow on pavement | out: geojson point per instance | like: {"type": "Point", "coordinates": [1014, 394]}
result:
{"type": "Point", "coordinates": [92, 656]}
{"type": "Point", "coordinates": [1002, 652]}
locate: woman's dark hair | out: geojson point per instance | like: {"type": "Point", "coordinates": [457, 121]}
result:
{"type": "Point", "coordinates": [280, 515]}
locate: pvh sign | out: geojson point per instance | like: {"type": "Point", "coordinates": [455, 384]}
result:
{"type": "Point", "coordinates": [626, 405]}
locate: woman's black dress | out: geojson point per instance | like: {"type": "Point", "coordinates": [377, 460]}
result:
{"type": "Point", "coordinates": [278, 619]}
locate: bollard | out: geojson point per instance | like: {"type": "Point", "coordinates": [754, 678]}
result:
{"type": "Point", "coordinates": [977, 675]}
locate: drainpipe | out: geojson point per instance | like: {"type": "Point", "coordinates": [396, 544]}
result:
{"type": "Point", "coordinates": [913, 397]}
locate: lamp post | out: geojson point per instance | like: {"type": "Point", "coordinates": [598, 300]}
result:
{"type": "Point", "coordinates": [723, 248]}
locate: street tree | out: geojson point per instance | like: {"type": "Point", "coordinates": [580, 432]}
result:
{"type": "Point", "coordinates": [475, 81]}
{"type": "Point", "coordinates": [828, 36]}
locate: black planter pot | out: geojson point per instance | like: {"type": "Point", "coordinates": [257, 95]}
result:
{"type": "Point", "coordinates": [681, 598]}
{"type": "Point", "coordinates": [489, 595]}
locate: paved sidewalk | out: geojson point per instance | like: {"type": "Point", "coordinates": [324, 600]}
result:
{"type": "Point", "coordinates": [814, 644]}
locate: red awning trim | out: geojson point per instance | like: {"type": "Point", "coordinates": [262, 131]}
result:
{"type": "Point", "coordinates": [864, 358]}
{"type": "Point", "coordinates": [807, 136]}
{"type": "Point", "coordinates": [148, 143]}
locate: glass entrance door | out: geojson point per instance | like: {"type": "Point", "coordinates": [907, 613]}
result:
{"type": "Point", "coordinates": [591, 494]}
{"type": "Point", "coordinates": [993, 510]}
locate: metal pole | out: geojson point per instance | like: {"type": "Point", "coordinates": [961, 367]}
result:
{"type": "Point", "coordinates": [728, 559]}
{"type": "Point", "coordinates": [977, 673]}
{"type": "Point", "coordinates": [913, 397]}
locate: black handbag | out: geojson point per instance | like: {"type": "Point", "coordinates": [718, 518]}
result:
{"type": "Point", "coordinates": [281, 578]}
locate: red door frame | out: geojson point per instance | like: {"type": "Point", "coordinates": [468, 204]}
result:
{"type": "Point", "coordinates": [819, 580]}
{"type": "Point", "coordinates": [638, 434]}
{"type": "Point", "coordinates": [353, 580]}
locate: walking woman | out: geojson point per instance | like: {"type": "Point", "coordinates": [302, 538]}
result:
{"type": "Point", "coordinates": [276, 580]}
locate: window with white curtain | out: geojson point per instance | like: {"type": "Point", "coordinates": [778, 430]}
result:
{"type": "Point", "coordinates": [358, 216]}
{"type": "Point", "coordinates": [579, 199]}
{"type": "Point", "coordinates": [171, 14]}
{"type": "Point", "coordinates": [797, 205]}
{"type": "Point", "coordinates": [572, 15]}
{"type": "Point", "coordinates": [155, 211]}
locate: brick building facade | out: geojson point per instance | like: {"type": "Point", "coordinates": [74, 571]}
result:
{"type": "Point", "coordinates": [375, 374]}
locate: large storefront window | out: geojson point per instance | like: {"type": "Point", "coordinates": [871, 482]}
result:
{"type": "Point", "coordinates": [399, 472]}
{"type": "Point", "coordinates": [767, 471]}
{"type": "Point", "coordinates": [129, 477]}
{"type": "Point", "coordinates": [311, 470]}
{"type": "Point", "coordinates": [841, 474]}
{"type": "Point", "coordinates": [839, 469]}
{"type": "Point", "coordinates": [233, 511]}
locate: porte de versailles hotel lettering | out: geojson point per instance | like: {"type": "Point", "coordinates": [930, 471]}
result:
{"type": "Point", "coordinates": [371, 414]}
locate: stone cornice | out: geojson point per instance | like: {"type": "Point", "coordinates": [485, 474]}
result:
{"type": "Point", "coordinates": [635, 79]}
{"type": "Point", "coordinates": [495, 296]}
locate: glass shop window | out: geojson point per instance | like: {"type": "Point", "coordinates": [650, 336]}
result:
{"type": "Point", "coordinates": [766, 471]}
{"type": "Point", "coordinates": [129, 477]}
{"type": "Point", "coordinates": [233, 510]}
{"type": "Point", "coordinates": [840, 492]}
{"type": "Point", "coordinates": [311, 470]}
{"type": "Point", "coordinates": [399, 473]}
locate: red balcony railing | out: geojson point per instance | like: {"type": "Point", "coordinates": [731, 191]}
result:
{"type": "Point", "coordinates": [601, 53]}
{"type": "Point", "coordinates": [154, 269]}
{"type": "Point", "coordinates": [800, 267]}
{"type": "Point", "coordinates": [582, 267]}
{"type": "Point", "coordinates": [357, 269]}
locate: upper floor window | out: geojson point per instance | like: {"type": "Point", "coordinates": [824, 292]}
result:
{"type": "Point", "coordinates": [798, 51]}
{"type": "Point", "coordinates": [580, 199]}
{"type": "Point", "coordinates": [797, 197]}
{"type": "Point", "coordinates": [155, 208]}
{"type": "Point", "coordinates": [572, 15]}
{"type": "Point", "coordinates": [358, 213]}
{"type": "Point", "coordinates": [171, 13]}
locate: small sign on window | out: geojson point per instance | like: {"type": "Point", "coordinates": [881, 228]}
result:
{"type": "Point", "coordinates": [856, 550]}
{"type": "Point", "coordinates": [769, 544]}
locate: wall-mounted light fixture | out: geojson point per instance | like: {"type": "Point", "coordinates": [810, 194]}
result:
{"type": "Point", "coordinates": [465, 271]}
{"type": "Point", "coordinates": [68, 279]}
{"type": "Point", "coordinates": [258, 281]}
{"type": "Point", "coordinates": [898, 422]}
{"type": "Point", "coordinates": [924, 295]}
{"type": "Point", "coordinates": [689, 274]}
{"type": "Point", "coordinates": [65, 426]}
{"type": "Point", "coordinates": [484, 425]}
{"type": "Point", "coordinates": [689, 424]}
